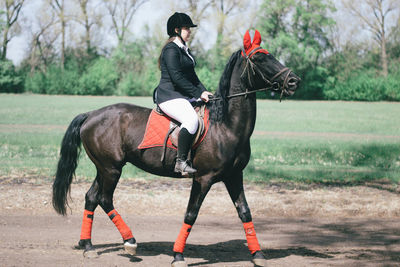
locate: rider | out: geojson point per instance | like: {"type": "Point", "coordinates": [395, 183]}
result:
{"type": "Point", "coordinates": [179, 85]}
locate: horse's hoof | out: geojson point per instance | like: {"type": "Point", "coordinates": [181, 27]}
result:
{"type": "Point", "coordinates": [259, 259]}
{"type": "Point", "coordinates": [179, 264]}
{"type": "Point", "coordinates": [179, 260]}
{"type": "Point", "coordinates": [130, 248]}
{"type": "Point", "coordinates": [259, 262]}
{"type": "Point", "coordinates": [90, 254]}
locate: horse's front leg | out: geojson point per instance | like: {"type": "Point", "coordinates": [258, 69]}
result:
{"type": "Point", "coordinates": [200, 188]}
{"type": "Point", "coordinates": [235, 189]}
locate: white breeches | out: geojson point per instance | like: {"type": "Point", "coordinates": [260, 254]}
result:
{"type": "Point", "coordinates": [181, 110]}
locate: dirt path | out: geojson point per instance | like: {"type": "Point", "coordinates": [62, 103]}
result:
{"type": "Point", "coordinates": [356, 226]}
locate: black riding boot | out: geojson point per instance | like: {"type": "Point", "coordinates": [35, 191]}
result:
{"type": "Point", "coordinates": [182, 165]}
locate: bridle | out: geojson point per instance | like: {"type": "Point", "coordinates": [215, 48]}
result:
{"type": "Point", "coordinates": [251, 70]}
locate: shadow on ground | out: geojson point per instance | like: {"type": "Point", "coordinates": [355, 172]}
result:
{"type": "Point", "coordinates": [229, 251]}
{"type": "Point", "coordinates": [359, 241]}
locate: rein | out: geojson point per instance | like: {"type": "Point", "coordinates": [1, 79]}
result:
{"type": "Point", "coordinates": [251, 69]}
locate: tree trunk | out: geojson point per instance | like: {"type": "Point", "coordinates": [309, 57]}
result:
{"type": "Point", "coordinates": [384, 59]}
{"type": "Point", "coordinates": [63, 25]}
{"type": "Point", "coordinates": [86, 23]}
{"type": "Point", "coordinates": [87, 37]}
{"type": "Point", "coordinates": [5, 42]}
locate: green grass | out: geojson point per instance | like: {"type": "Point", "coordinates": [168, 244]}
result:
{"type": "Point", "coordinates": [299, 141]}
{"type": "Point", "coordinates": [32, 127]}
{"type": "Point", "coordinates": [333, 117]}
{"type": "Point", "coordinates": [326, 142]}
{"type": "Point", "coordinates": [319, 161]}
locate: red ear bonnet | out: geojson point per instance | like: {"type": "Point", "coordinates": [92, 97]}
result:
{"type": "Point", "coordinates": [257, 38]}
{"type": "Point", "coordinates": [249, 46]}
{"type": "Point", "coordinates": [247, 41]}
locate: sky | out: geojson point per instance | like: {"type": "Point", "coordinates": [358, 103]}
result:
{"type": "Point", "coordinates": [146, 14]}
{"type": "Point", "coordinates": [153, 13]}
{"type": "Point", "coordinates": [156, 12]}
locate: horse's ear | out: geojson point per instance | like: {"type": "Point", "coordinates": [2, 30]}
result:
{"type": "Point", "coordinates": [247, 41]}
{"type": "Point", "coordinates": [257, 38]}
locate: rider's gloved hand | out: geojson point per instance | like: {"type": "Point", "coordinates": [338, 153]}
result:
{"type": "Point", "coordinates": [205, 96]}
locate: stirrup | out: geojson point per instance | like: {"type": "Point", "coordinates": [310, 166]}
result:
{"type": "Point", "coordinates": [183, 167]}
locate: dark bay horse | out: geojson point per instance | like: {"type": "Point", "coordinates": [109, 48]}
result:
{"type": "Point", "coordinates": [111, 135]}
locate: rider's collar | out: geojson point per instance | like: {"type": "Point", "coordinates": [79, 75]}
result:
{"type": "Point", "coordinates": [179, 43]}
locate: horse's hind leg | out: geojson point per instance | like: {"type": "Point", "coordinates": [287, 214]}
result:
{"type": "Point", "coordinates": [108, 184]}
{"type": "Point", "coordinates": [235, 189]}
{"type": "Point", "coordinates": [91, 202]}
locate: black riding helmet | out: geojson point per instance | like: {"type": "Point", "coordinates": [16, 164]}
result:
{"type": "Point", "coordinates": [178, 20]}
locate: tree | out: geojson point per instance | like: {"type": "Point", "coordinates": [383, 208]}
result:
{"type": "Point", "coordinates": [197, 10]}
{"type": "Point", "coordinates": [85, 21]}
{"type": "Point", "coordinates": [394, 41]}
{"type": "Point", "coordinates": [121, 13]}
{"type": "Point", "coordinates": [1, 20]}
{"type": "Point", "coordinates": [12, 11]}
{"type": "Point", "coordinates": [59, 8]}
{"type": "Point", "coordinates": [223, 10]}
{"type": "Point", "coordinates": [297, 33]}
{"type": "Point", "coordinates": [88, 18]}
{"type": "Point", "coordinates": [42, 41]}
{"type": "Point", "coordinates": [374, 13]}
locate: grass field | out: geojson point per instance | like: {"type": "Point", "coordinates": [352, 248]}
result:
{"type": "Point", "coordinates": [300, 141]}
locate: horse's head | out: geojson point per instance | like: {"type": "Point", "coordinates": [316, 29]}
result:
{"type": "Point", "coordinates": [264, 70]}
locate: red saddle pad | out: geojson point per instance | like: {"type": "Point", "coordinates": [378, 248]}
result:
{"type": "Point", "coordinates": [157, 128]}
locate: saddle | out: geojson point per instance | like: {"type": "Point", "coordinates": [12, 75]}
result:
{"type": "Point", "coordinates": [162, 130]}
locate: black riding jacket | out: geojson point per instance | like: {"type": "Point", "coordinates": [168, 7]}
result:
{"type": "Point", "coordinates": [178, 78]}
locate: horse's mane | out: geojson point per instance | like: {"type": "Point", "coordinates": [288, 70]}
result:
{"type": "Point", "coordinates": [219, 108]}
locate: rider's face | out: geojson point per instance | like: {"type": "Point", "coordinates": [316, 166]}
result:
{"type": "Point", "coordinates": [185, 33]}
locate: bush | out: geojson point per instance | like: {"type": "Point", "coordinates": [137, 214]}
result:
{"type": "Point", "coordinates": [35, 83]}
{"type": "Point", "coordinates": [208, 78]}
{"type": "Point", "coordinates": [62, 81]}
{"type": "Point", "coordinates": [54, 81]}
{"type": "Point", "coordinates": [137, 84]}
{"type": "Point", "coordinates": [10, 80]}
{"type": "Point", "coordinates": [313, 84]}
{"type": "Point", "coordinates": [137, 67]}
{"type": "Point", "coordinates": [100, 79]}
{"type": "Point", "coordinates": [366, 87]}
{"type": "Point", "coordinates": [392, 89]}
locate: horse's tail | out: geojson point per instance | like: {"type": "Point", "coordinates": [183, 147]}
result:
{"type": "Point", "coordinates": [69, 154]}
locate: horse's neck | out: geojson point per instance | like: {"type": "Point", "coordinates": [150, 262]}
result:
{"type": "Point", "coordinates": [241, 109]}
{"type": "Point", "coordinates": [241, 114]}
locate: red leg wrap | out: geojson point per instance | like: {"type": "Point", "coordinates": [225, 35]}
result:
{"type": "Point", "coordinates": [251, 237]}
{"type": "Point", "coordinates": [180, 242]}
{"type": "Point", "coordinates": [120, 224]}
{"type": "Point", "coordinates": [86, 231]}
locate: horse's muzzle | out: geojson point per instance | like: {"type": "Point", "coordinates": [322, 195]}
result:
{"type": "Point", "coordinates": [292, 85]}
